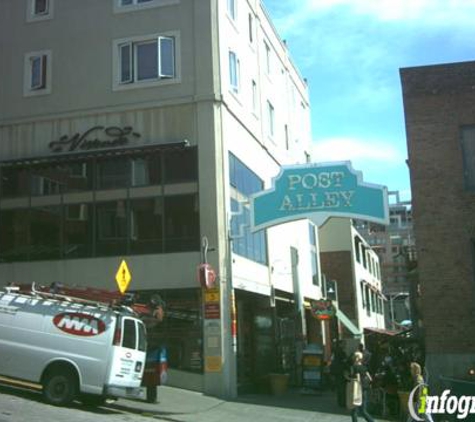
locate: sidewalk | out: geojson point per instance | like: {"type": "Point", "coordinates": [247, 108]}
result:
{"type": "Point", "coordinates": [177, 405]}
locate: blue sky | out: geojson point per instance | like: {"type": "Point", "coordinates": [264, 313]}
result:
{"type": "Point", "coordinates": [351, 52]}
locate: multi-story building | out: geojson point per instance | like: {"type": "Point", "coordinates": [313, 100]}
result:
{"type": "Point", "coordinates": [347, 258]}
{"type": "Point", "coordinates": [395, 246]}
{"type": "Point", "coordinates": [137, 129]}
{"type": "Point", "coordinates": [439, 105]}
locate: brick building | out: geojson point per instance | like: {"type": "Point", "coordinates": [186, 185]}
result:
{"type": "Point", "coordinates": [439, 105]}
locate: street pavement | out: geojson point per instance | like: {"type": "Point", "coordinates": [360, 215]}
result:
{"type": "Point", "coordinates": [177, 405]}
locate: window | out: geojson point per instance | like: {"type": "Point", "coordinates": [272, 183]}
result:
{"type": "Point", "coordinates": [122, 6]}
{"type": "Point", "coordinates": [37, 74]}
{"type": "Point", "coordinates": [232, 9]}
{"type": "Point", "coordinates": [468, 156]}
{"type": "Point", "coordinates": [146, 225]}
{"type": "Point", "coordinates": [252, 246]}
{"type": "Point", "coordinates": [111, 230]}
{"type": "Point", "coordinates": [267, 58]}
{"type": "Point", "coordinates": [112, 173]}
{"type": "Point", "coordinates": [242, 178]}
{"type": "Point", "coordinates": [251, 28]}
{"type": "Point", "coordinates": [39, 10]}
{"type": "Point", "coordinates": [77, 231]}
{"type": "Point", "coordinates": [254, 96]}
{"type": "Point", "coordinates": [234, 71]}
{"type": "Point", "coordinates": [146, 61]}
{"type": "Point", "coordinates": [270, 119]}
{"type": "Point", "coordinates": [182, 228]}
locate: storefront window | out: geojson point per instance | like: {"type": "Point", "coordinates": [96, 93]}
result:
{"type": "Point", "coordinates": [14, 235]}
{"type": "Point", "coordinates": [79, 176]}
{"type": "Point", "coordinates": [146, 170]}
{"type": "Point", "coordinates": [104, 223]}
{"type": "Point", "coordinates": [146, 225]}
{"type": "Point", "coordinates": [48, 179]}
{"type": "Point", "coordinates": [45, 229]}
{"type": "Point", "coordinates": [77, 231]}
{"type": "Point", "coordinates": [15, 181]}
{"type": "Point", "coordinates": [112, 173]}
{"type": "Point", "coordinates": [182, 229]}
{"type": "Point", "coordinates": [181, 165]}
{"type": "Point", "coordinates": [111, 231]}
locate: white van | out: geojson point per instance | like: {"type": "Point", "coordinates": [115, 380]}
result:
{"type": "Point", "coordinates": [74, 349]}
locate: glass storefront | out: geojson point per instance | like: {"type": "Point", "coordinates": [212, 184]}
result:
{"type": "Point", "coordinates": [100, 205]}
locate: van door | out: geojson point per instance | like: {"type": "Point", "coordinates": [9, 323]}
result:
{"type": "Point", "coordinates": [128, 353]}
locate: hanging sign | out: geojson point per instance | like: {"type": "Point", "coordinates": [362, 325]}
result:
{"type": "Point", "coordinates": [318, 192]}
{"type": "Point", "coordinates": [322, 309]}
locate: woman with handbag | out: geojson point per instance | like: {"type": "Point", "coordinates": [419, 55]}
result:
{"type": "Point", "coordinates": [359, 383]}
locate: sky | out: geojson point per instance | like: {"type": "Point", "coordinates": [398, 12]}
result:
{"type": "Point", "coordinates": [350, 51]}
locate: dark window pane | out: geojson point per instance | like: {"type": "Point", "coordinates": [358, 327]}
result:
{"type": "Point", "coordinates": [48, 179]}
{"type": "Point", "coordinates": [243, 178]}
{"type": "Point", "coordinates": [14, 235]}
{"type": "Point", "coordinates": [129, 335]}
{"type": "Point", "coordinates": [146, 225]}
{"type": "Point", "coordinates": [45, 229]}
{"type": "Point", "coordinates": [77, 231]}
{"type": "Point", "coordinates": [147, 61]}
{"type": "Point", "coordinates": [78, 177]}
{"type": "Point", "coordinates": [15, 181]}
{"type": "Point", "coordinates": [111, 230]}
{"type": "Point", "coordinates": [146, 170]}
{"type": "Point", "coordinates": [181, 165]}
{"type": "Point", "coordinates": [182, 231]}
{"type": "Point", "coordinates": [112, 173]}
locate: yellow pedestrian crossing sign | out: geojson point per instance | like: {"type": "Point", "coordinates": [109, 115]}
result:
{"type": "Point", "coordinates": [123, 277]}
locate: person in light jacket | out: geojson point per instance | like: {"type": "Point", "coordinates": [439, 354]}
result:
{"type": "Point", "coordinates": [358, 368]}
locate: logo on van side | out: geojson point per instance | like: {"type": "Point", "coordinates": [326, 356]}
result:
{"type": "Point", "coordinates": [79, 324]}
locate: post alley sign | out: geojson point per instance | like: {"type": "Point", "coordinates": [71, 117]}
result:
{"type": "Point", "coordinates": [318, 192]}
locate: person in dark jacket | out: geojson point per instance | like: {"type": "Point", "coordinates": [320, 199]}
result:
{"type": "Point", "coordinates": [358, 368]}
{"type": "Point", "coordinates": [338, 369]}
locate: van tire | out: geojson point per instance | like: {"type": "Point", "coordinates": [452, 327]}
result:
{"type": "Point", "coordinates": [60, 388]}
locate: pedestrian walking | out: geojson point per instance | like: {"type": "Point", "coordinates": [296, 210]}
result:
{"type": "Point", "coordinates": [418, 382]}
{"type": "Point", "coordinates": [338, 368]}
{"type": "Point", "coordinates": [359, 384]}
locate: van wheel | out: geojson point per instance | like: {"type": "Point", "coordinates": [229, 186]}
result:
{"type": "Point", "coordinates": [92, 400]}
{"type": "Point", "coordinates": [60, 389]}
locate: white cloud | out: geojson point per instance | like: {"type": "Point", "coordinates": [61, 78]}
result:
{"type": "Point", "coordinates": [356, 150]}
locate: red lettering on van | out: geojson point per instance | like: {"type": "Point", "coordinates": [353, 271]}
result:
{"type": "Point", "coordinates": [79, 324]}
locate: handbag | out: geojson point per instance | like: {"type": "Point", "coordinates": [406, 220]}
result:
{"type": "Point", "coordinates": [354, 393]}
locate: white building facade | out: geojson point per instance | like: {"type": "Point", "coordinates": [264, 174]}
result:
{"type": "Point", "coordinates": [135, 129]}
{"type": "Point", "coordinates": [348, 259]}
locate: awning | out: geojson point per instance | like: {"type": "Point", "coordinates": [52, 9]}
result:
{"type": "Point", "coordinates": [352, 328]}
{"type": "Point", "coordinates": [382, 331]}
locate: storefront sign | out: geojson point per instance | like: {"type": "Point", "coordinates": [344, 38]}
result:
{"type": "Point", "coordinates": [322, 309]}
{"type": "Point", "coordinates": [95, 138]}
{"type": "Point", "coordinates": [318, 192]}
